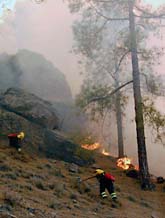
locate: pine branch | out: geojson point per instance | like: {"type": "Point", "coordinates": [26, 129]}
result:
{"type": "Point", "coordinates": [109, 73]}
{"type": "Point", "coordinates": [120, 61]}
{"type": "Point", "coordinates": [110, 94]}
{"type": "Point", "coordinates": [108, 18]}
{"type": "Point", "coordinates": [118, 66]}
{"type": "Point", "coordinates": [101, 28]}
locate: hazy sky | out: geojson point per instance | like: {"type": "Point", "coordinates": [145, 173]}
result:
{"type": "Point", "coordinates": [155, 2]}
{"type": "Point", "coordinates": [44, 28]}
{"type": "Point", "coordinates": [10, 4]}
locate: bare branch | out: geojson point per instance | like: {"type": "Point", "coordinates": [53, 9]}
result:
{"type": "Point", "coordinates": [120, 61]}
{"type": "Point", "coordinates": [149, 15]}
{"type": "Point", "coordinates": [101, 28]}
{"type": "Point", "coordinates": [118, 66]}
{"type": "Point", "coordinates": [110, 94]}
{"type": "Point", "coordinates": [162, 16]}
{"type": "Point", "coordinates": [109, 73]}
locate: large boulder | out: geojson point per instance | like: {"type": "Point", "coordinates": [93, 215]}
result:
{"type": "Point", "coordinates": [34, 73]}
{"type": "Point", "coordinates": [29, 106]}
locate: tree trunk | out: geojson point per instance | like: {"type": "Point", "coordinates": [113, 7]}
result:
{"type": "Point", "coordinates": [142, 154]}
{"type": "Point", "coordinates": [119, 126]}
{"type": "Point", "coordinates": [119, 118]}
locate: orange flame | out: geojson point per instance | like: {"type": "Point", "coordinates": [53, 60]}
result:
{"type": "Point", "coordinates": [124, 163]}
{"type": "Point", "coordinates": [94, 146]}
{"type": "Point", "coordinates": [136, 167]}
{"type": "Point", "coordinates": [105, 152]}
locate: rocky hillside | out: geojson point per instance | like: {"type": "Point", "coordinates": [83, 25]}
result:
{"type": "Point", "coordinates": [23, 111]}
{"type": "Point", "coordinates": [43, 181]}
{"type": "Point", "coordinates": [32, 72]}
{"type": "Point", "coordinates": [48, 188]}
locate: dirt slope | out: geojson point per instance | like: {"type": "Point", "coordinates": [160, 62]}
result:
{"type": "Point", "coordinates": [31, 186]}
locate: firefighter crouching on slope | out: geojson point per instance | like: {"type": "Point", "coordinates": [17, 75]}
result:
{"type": "Point", "coordinates": [15, 140]}
{"type": "Point", "coordinates": [106, 181]}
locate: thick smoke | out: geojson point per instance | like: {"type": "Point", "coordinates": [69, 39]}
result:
{"type": "Point", "coordinates": [46, 29]}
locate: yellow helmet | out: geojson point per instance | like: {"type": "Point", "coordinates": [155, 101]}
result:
{"type": "Point", "coordinates": [99, 172]}
{"type": "Point", "coordinates": [21, 135]}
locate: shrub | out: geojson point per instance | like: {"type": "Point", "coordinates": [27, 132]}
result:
{"type": "Point", "coordinates": [55, 205]}
{"type": "Point", "coordinates": [5, 168]}
{"type": "Point", "coordinates": [73, 196]}
{"type": "Point", "coordinates": [51, 186]}
{"type": "Point", "coordinates": [59, 189]}
{"type": "Point", "coordinates": [58, 173]}
{"type": "Point", "coordinates": [145, 204]}
{"type": "Point", "coordinates": [131, 198]}
{"type": "Point", "coordinates": [12, 176]}
{"type": "Point", "coordinates": [40, 185]}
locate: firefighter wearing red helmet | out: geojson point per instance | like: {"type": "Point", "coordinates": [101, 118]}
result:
{"type": "Point", "coordinates": [106, 181]}
{"type": "Point", "coordinates": [15, 140]}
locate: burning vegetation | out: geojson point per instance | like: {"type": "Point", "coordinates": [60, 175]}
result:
{"type": "Point", "coordinates": [96, 146]}
{"type": "Point", "coordinates": [105, 152]}
{"type": "Point", "coordinates": [126, 163]}
{"type": "Point", "coordinates": [91, 147]}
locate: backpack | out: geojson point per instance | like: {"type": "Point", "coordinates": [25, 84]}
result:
{"type": "Point", "coordinates": [109, 177]}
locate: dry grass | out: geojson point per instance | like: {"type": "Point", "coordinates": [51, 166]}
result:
{"type": "Point", "coordinates": [32, 186]}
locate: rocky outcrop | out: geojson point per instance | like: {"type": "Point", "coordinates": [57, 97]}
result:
{"type": "Point", "coordinates": [34, 73]}
{"type": "Point", "coordinates": [55, 145]}
{"type": "Point", "coordinates": [22, 111]}
{"type": "Point", "coordinates": [30, 107]}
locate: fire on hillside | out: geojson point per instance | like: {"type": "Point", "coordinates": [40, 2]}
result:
{"type": "Point", "coordinates": [126, 163]}
{"type": "Point", "coordinates": [95, 146]}
{"type": "Point", "coordinates": [105, 152]}
{"type": "Point", "coordinates": [91, 147]}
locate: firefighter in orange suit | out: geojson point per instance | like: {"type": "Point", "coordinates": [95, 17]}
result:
{"type": "Point", "coordinates": [15, 140]}
{"type": "Point", "coordinates": [106, 181]}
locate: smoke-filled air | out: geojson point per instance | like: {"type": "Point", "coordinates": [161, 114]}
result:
{"type": "Point", "coordinates": [82, 108]}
